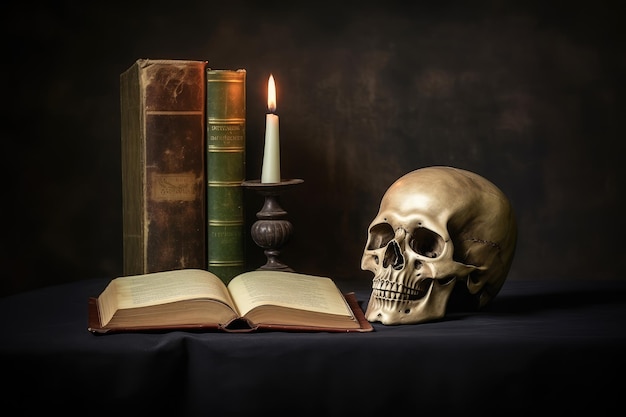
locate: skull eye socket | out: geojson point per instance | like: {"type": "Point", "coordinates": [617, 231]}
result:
{"type": "Point", "coordinates": [380, 235]}
{"type": "Point", "coordinates": [426, 242]}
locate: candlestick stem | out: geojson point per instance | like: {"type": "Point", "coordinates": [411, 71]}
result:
{"type": "Point", "coordinates": [272, 230]}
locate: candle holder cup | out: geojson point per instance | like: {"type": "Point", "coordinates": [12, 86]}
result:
{"type": "Point", "coordinates": [272, 230]}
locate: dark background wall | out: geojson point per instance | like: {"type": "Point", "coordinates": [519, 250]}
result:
{"type": "Point", "coordinates": [528, 94]}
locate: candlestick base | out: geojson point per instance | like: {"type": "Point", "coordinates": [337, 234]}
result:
{"type": "Point", "coordinates": [272, 230]}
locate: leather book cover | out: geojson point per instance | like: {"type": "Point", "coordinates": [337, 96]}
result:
{"type": "Point", "coordinates": [225, 167]}
{"type": "Point", "coordinates": [163, 165]}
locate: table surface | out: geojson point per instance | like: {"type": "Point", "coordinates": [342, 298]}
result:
{"type": "Point", "coordinates": [541, 345]}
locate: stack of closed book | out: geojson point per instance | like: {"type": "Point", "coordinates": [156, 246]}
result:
{"type": "Point", "coordinates": [183, 160]}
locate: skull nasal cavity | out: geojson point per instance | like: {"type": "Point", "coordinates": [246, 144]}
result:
{"type": "Point", "coordinates": [393, 256]}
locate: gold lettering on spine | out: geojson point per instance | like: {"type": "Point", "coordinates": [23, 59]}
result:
{"type": "Point", "coordinates": [219, 135]}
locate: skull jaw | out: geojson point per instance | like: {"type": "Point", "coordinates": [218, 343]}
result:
{"type": "Point", "coordinates": [428, 308]}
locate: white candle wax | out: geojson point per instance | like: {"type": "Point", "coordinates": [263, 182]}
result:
{"type": "Point", "coordinates": [271, 154]}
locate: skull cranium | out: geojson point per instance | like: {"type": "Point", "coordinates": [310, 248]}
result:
{"type": "Point", "coordinates": [436, 226]}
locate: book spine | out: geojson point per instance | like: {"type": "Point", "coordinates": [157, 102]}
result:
{"type": "Point", "coordinates": [163, 165]}
{"type": "Point", "coordinates": [225, 163]}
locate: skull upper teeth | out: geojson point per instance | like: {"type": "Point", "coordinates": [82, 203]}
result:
{"type": "Point", "coordinates": [388, 290]}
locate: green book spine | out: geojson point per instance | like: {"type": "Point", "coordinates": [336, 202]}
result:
{"type": "Point", "coordinates": [225, 170]}
{"type": "Point", "coordinates": [163, 165]}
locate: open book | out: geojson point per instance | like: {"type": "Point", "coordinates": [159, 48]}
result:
{"type": "Point", "coordinates": [198, 299]}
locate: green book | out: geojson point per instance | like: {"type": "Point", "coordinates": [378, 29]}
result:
{"type": "Point", "coordinates": [163, 165]}
{"type": "Point", "coordinates": [225, 171]}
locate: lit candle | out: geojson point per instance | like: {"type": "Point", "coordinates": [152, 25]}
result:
{"type": "Point", "coordinates": [271, 154]}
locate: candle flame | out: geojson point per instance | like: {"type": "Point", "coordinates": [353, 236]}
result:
{"type": "Point", "coordinates": [271, 94]}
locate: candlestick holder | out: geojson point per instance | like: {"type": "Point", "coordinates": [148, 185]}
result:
{"type": "Point", "coordinates": [272, 230]}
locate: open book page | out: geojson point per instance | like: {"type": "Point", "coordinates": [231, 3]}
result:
{"type": "Point", "coordinates": [287, 289]}
{"type": "Point", "coordinates": [160, 288]}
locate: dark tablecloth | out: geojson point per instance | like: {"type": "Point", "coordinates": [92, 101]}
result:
{"type": "Point", "coordinates": [542, 345]}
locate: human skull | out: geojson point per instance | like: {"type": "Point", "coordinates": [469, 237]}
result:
{"type": "Point", "coordinates": [436, 226]}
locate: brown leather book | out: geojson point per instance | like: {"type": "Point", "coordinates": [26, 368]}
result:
{"type": "Point", "coordinates": [163, 165]}
{"type": "Point", "coordinates": [198, 299]}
